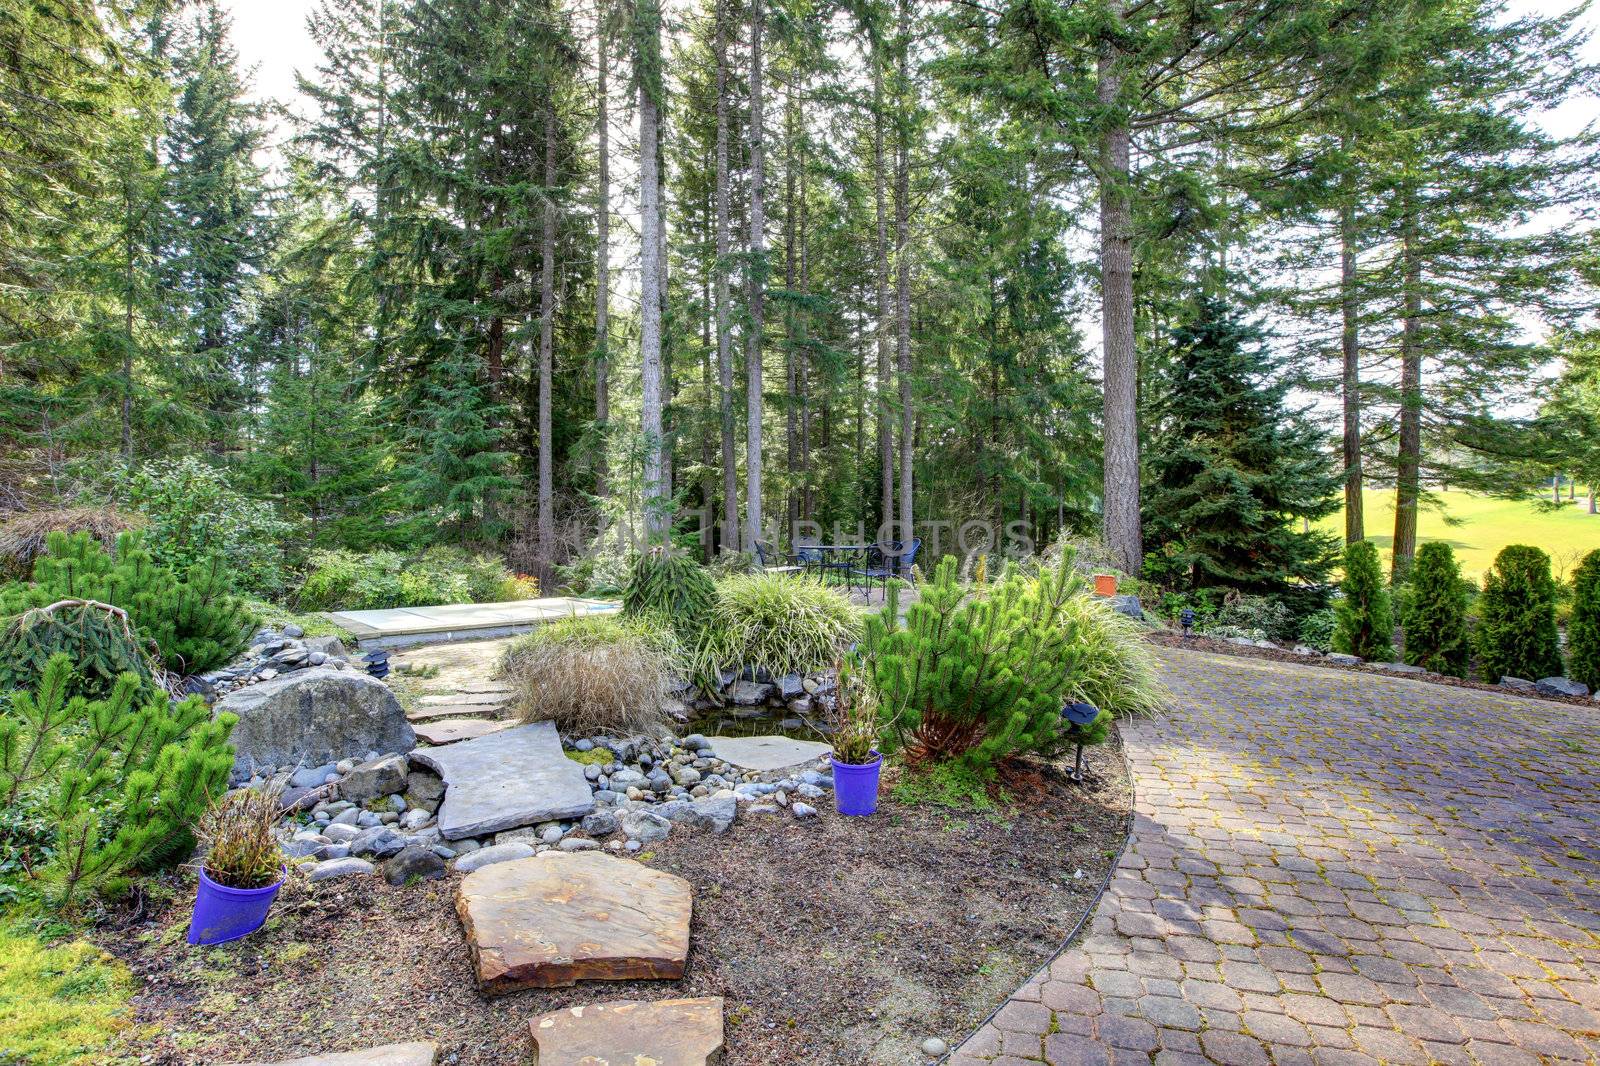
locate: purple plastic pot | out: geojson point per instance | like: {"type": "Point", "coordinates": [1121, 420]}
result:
{"type": "Point", "coordinates": [222, 913]}
{"type": "Point", "coordinates": [855, 785]}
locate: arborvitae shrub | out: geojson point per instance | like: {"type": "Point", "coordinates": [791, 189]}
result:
{"type": "Point", "coordinates": [1517, 617]}
{"type": "Point", "coordinates": [1364, 623]}
{"type": "Point", "coordinates": [1434, 615]}
{"type": "Point", "coordinates": [1583, 630]}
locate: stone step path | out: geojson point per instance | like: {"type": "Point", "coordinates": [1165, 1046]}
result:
{"type": "Point", "coordinates": [668, 1032]}
{"type": "Point", "coordinates": [416, 1053]}
{"type": "Point", "coordinates": [452, 730]}
{"type": "Point", "coordinates": [514, 777]}
{"type": "Point", "coordinates": [557, 918]}
{"type": "Point", "coordinates": [452, 710]}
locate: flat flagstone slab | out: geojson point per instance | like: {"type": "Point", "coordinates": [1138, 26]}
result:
{"type": "Point", "coordinates": [767, 753]}
{"type": "Point", "coordinates": [452, 730]}
{"type": "Point", "coordinates": [452, 710]}
{"type": "Point", "coordinates": [557, 918]}
{"type": "Point", "coordinates": [416, 1053]}
{"type": "Point", "coordinates": [668, 1032]}
{"type": "Point", "coordinates": [407, 626]}
{"type": "Point", "coordinates": [515, 777]}
{"type": "Point", "coordinates": [475, 699]}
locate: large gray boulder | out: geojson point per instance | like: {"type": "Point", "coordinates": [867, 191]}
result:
{"type": "Point", "coordinates": [314, 716]}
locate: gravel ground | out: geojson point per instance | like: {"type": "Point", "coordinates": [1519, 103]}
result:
{"type": "Point", "coordinates": [833, 941]}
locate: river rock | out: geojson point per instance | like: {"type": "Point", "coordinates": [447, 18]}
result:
{"type": "Point", "coordinates": [413, 864]}
{"type": "Point", "coordinates": [313, 716]}
{"type": "Point", "coordinates": [369, 780]}
{"type": "Point", "coordinates": [1561, 686]}
{"type": "Point", "coordinates": [493, 854]}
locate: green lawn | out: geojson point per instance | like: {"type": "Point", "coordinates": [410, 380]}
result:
{"type": "Point", "coordinates": [1477, 527]}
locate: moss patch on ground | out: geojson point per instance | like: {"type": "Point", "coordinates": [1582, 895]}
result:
{"type": "Point", "coordinates": [59, 1003]}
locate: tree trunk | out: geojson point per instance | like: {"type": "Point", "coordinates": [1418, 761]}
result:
{"type": "Point", "coordinates": [758, 280]}
{"type": "Point", "coordinates": [547, 318]}
{"type": "Point", "coordinates": [650, 268]}
{"type": "Point", "coordinates": [880, 194]}
{"type": "Point", "coordinates": [1592, 499]}
{"type": "Point", "coordinates": [791, 393]}
{"type": "Point", "coordinates": [1349, 342]}
{"type": "Point", "coordinates": [602, 275]}
{"type": "Point", "coordinates": [1408, 485]}
{"type": "Point", "coordinates": [1120, 495]}
{"type": "Point", "coordinates": [902, 262]}
{"type": "Point", "coordinates": [730, 484]}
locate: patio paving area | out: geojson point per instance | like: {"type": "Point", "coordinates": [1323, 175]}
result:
{"type": "Point", "coordinates": [1336, 868]}
{"type": "Point", "coordinates": [411, 626]}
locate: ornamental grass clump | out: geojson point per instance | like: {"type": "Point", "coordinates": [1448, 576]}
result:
{"type": "Point", "coordinates": [1115, 668]}
{"type": "Point", "coordinates": [237, 831]}
{"type": "Point", "coordinates": [854, 722]}
{"type": "Point", "coordinates": [595, 675]}
{"type": "Point", "coordinates": [1517, 624]}
{"type": "Point", "coordinates": [1434, 612]}
{"type": "Point", "coordinates": [777, 623]}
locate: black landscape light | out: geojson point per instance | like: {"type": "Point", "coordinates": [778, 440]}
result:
{"type": "Point", "coordinates": [1187, 618]}
{"type": "Point", "coordinates": [1079, 717]}
{"type": "Point", "coordinates": [378, 664]}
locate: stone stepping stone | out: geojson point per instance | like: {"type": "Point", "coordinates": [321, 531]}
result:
{"type": "Point", "coordinates": [767, 753]}
{"type": "Point", "coordinates": [561, 917]}
{"type": "Point", "coordinates": [454, 710]}
{"type": "Point", "coordinates": [451, 730]}
{"type": "Point", "coordinates": [668, 1032]}
{"type": "Point", "coordinates": [514, 777]}
{"type": "Point", "coordinates": [416, 1053]}
{"type": "Point", "coordinates": [459, 698]}
{"type": "Point", "coordinates": [487, 688]}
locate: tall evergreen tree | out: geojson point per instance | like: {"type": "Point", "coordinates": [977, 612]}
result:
{"type": "Point", "coordinates": [1236, 474]}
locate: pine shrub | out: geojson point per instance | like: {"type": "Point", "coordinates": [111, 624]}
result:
{"type": "Point", "coordinates": [195, 621]}
{"type": "Point", "coordinates": [1364, 624]}
{"type": "Point", "coordinates": [1517, 617]}
{"type": "Point", "coordinates": [121, 781]}
{"type": "Point", "coordinates": [1583, 630]}
{"type": "Point", "coordinates": [670, 584]}
{"type": "Point", "coordinates": [975, 677]}
{"type": "Point", "coordinates": [1433, 612]}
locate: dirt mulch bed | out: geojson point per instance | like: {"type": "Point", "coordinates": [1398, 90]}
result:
{"type": "Point", "coordinates": [838, 940]}
{"type": "Point", "coordinates": [1170, 639]}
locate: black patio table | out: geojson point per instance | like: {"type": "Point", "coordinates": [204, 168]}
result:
{"type": "Point", "coordinates": [841, 557]}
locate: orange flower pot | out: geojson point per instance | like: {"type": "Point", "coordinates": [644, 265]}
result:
{"type": "Point", "coordinates": [1105, 584]}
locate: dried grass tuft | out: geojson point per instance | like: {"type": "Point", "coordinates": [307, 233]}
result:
{"type": "Point", "coordinates": [594, 676]}
{"type": "Point", "coordinates": [22, 535]}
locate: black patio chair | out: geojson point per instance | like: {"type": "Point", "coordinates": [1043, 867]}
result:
{"type": "Point", "coordinates": [775, 562]}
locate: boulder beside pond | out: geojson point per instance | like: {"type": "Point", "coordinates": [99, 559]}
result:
{"type": "Point", "coordinates": [314, 716]}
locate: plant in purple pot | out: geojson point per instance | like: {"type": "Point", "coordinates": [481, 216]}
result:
{"type": "Point", "coordinates": [857, 763]}
{"type": "Point", "coordinates": [243, 868]}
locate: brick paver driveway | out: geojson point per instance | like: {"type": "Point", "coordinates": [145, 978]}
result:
{"type": "Point", "coordinates": [1330, 867]}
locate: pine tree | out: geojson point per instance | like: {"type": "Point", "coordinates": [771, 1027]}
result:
{"type": "Point", "coordinates": [1364, 624]}
{"type": "Point", "coordinates": [1517, 617]}
{"type": "Point", "coordinates": [122, 780]}
{"type": "Point", "coordinates": [1583, 629]}
{"type": "Point", "coordinates": [972, 679]}
{"type": "Point", "coordinates": [1235, 473]}
{"type": "Point", "coordinates": [1434, 613]}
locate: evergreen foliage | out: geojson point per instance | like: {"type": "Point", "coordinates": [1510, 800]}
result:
{"type": "Point", "coordinates": [1434, 612]}
{"type": "Point", "coordinates": [1234, 472]}
{"type": "Point", "coordinates": [195, 622]}
{"type": "Point", "coordinates": [121, 780]}
{"type": "Point", "coordinates": [96, 638]}
{"type": "Point", "coordinates": [672, 585]}
{"type": "Point", "coordinates": [1364, 624]}
{"type": "Point", "coordinates": [1583, 628]}
{"type": "Point", "coordinates": [1517, 617]}
{"type": "Point", "coordinates": [975, 676]}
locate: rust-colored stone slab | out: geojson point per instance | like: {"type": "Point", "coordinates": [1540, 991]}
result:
{"type": "Point", "coordinates": [417, 1053]}
{"type": "Point", "coordinates": [668, 1032]}
{"type": "Point", "coordinates": [453, 729]}
{"type": "Point", "coordinates": [558, 918]}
